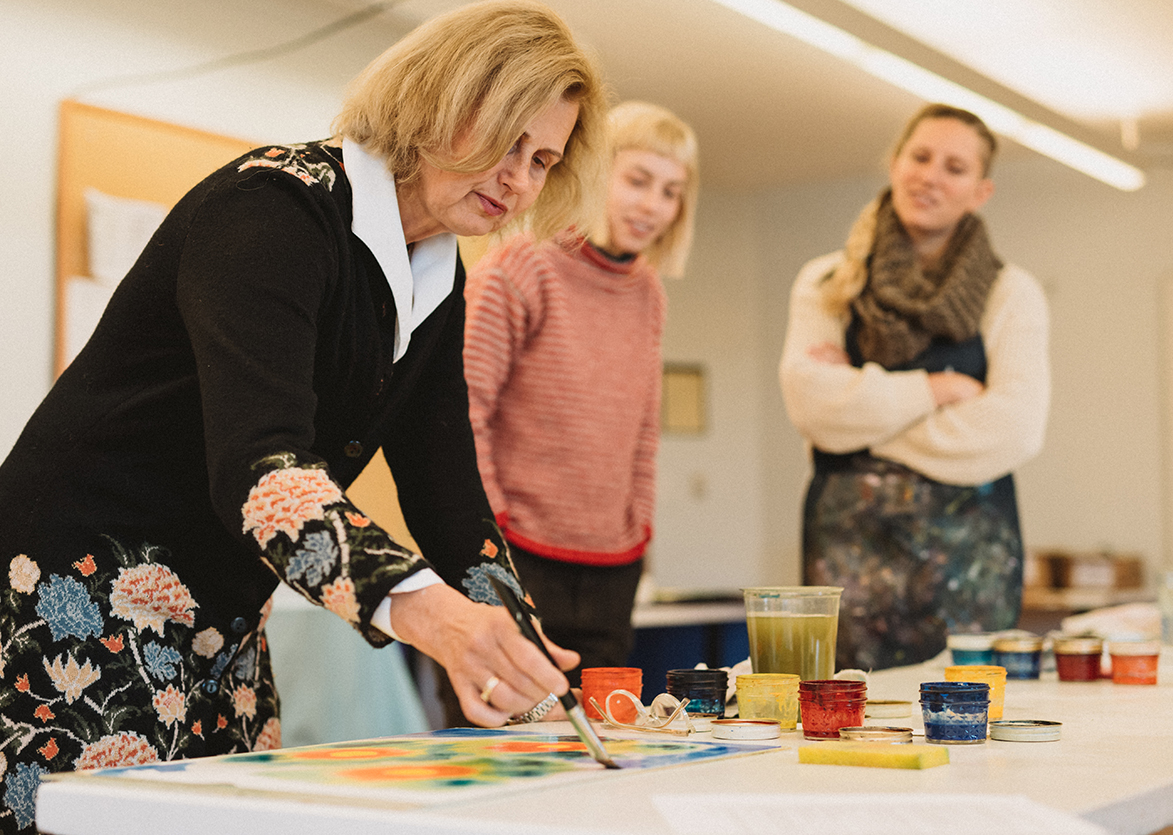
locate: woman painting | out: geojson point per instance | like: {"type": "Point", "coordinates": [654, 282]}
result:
{"type": "Point", "coordinates": [299, 309]}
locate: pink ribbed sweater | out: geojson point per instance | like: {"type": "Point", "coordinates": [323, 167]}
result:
{"type": "Point", "coordinates": [562, 358]}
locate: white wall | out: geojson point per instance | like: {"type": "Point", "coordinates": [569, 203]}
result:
{"type": "Point", "coordinates": [729, 498]}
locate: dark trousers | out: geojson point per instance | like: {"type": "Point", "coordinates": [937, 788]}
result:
{"type": "Point", "coordinates": [585, 608]}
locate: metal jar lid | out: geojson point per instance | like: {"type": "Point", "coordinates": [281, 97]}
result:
{"type": "Point", "coordinates": [1134, 648]}
{"type": "Point", "coordinates": [876, 733]}
{"type": "Point", "coordinates": [1024, 730]}
{"type": "Point", "coordinates": [1018, 644]}
{"type": "Point", "coordinates": [1077, 645]}
{"type": "Point", "coordinates": [887, 708]}
{"type": "Point", "coordinates": [745, 729]}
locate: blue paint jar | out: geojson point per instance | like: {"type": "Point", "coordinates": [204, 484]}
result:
{"type": "Point", "coordinates": [1021, 655]}
{"type": "Point", "coordinates": [972, 647]}
{"type": "Point", "coordinates": [704, 689]}
{"type": "Point", "coordinates": [955, 712]}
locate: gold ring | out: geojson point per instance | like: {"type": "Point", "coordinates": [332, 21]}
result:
{"type": "Point", "coordinates": [487, 690]}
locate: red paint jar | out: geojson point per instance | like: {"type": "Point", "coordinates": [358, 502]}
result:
{"type": "Point", "coordinates": [600, 682]}
{"type": "Point", "coordinates": [828, 705]}
{"type": "Point", "coordinates": [1078, 658]}
{"type": "Point", "coordinates": [1134, 662]}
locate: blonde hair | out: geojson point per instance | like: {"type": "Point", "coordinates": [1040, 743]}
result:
{"type": "Point", "coordinates": [637, 125]}
{"type": "Point", "coordinates": [848, 279]}
{"type": "Point", "coordinates": [483, 71]}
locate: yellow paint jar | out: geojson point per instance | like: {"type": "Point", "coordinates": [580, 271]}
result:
{"type": "Point", "coordinates": [987, 673]}
{"type": "Point", "coordinates": [769, 696]}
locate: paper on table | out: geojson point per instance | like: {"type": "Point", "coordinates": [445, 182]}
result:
{"type": "Point", "coordinates": [874, 814]}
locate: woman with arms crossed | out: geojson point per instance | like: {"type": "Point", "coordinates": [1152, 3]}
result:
{"type": "Point", "coordinates": [916, 366]}
{"type": "Point", "coordinates": [296, 311]}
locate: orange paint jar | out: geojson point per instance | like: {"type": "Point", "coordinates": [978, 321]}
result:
{"type": "Point", "coordinates": [987, 674]}
{"type": "Point", "coordinates": [600, 682]}
{"type": "Point", "coordinates": [1134, 662]}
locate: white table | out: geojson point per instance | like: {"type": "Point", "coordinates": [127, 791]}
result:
{"type": "Point", "coordinates": [1113, 768]}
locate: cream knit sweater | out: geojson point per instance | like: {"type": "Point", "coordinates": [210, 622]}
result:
{"type": "Point", "coordinates": [838, 408]}
{"type": "Point", "coordinates": [562, 357]}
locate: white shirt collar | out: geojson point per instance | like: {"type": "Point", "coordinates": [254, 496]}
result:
{"type": "Point", "coordinates": [418, 283]}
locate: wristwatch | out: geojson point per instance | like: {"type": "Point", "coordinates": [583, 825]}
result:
{"type": "Point", "coordinates": [536, 712]}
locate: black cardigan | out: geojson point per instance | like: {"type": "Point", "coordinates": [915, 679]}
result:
{"type": "Point", "coordinates": [254, 333]}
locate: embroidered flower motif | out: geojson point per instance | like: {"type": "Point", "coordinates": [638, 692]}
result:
{"type": "Point", "coordinates": [149, 595]}
{"type": "Point", "coordinates": [160, 661]}
{"type": "Point", "coordinates": [49, 750]}
{"type": "Point", "coordinates": [284, 500]}
{"type": "Point", "coordinates": [125, 748]}
{"type": "Point", "coordinates": [114, 644]}
{"type": "Point", "coordinates": [339, 598]}
{"type": "Point", "coordinates": [244, 701]}
{"type": "Point", "coordinates": [70, 677]}
{"type": "Point", "coordinates": [44, 713]}
{"type": "Point", "coordinates": [22, 683]}
{"type": "Point", "coordinates": [245, 664]}
{"type": "Point", "coordinates": [21, 792]}
{"type": "Point", "coordinates": [197, 728]}
{"type": "Point", "coordinates": [23, 574]}
{"type": "Point", "coordinates": [489, 549]}
{"type": "Point", "coordinates": [87, 566]}
{"type": "Point", "coordinates": [221, 722]}
{"type": "Point", "coordinates": [357, 519]}
{"type": "Point", "coordinates": [315, 560]}
{"type": "Point", "coordinates": [66, 605]}
{"type": "Point", "coordinates": [170, 705]}
{"type": "Point", "coordinates": [207, 642]}
{"type": "Point", "coordinates": [269, 738]}
{"type": "Point", "coordinates": [481, 590]}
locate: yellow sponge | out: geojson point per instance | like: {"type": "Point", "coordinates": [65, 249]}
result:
{"type": "Point", "coordinates": [874, 754]}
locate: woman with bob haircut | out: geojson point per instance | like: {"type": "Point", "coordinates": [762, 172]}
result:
{"type": "Point", "coordinates": [299, 309]}
{"type": "Point", "coordinates": [916, 366]}
{"type": "Point", "coordinates": [562, 356]}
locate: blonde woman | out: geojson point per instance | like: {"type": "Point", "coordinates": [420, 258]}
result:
{"type": "Point", "coordinates": [298, 310]}
{"type": "Point", "coordinates": [562, 356]}
{"type": "Point", "coordinates": [916, 366]}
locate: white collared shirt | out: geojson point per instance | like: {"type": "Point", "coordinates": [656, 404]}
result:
{"type": "Point", "coordinates": [418, 282]}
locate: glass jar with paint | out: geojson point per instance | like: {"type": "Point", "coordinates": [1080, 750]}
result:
{"type": "Point", "coordinates": [955, 712]}
{"type": "Point", "coordinates": [991, 674]}
{"type": "Point", "coordinates": [971, 647]}
{"type": "Point", "coordinates": [1021, 655]}
{"type": "Point", "coordinates": [600, 682]}
{"type": "Point", "coordinates": [1134, 662]}
{"type": "Point", "coordinates": [769, 696]}
{"type": "Point", "coordinates": [826, 705]}
{"type": "Point", "coordinates": [1078, 657]}
{"type": "Point", "coordinates": [704, 689]}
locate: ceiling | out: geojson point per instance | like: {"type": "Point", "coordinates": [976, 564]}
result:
{"type": "Point", "coordinates": [771, 110]}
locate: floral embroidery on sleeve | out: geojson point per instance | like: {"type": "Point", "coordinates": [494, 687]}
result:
{"type": "Point", "coordinates": [318, 542]}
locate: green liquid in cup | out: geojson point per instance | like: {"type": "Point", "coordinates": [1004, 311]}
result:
{"type": "Point", "coordinates": [790, 643]}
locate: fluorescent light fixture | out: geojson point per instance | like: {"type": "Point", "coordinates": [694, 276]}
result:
{"type": "Point", "coordinates": [932, 87]}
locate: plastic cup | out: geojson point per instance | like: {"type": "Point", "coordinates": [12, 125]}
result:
{"type": "Point", "coordinates": [600, 682]}
{"type": "Point", "coordinates": [793, 629]}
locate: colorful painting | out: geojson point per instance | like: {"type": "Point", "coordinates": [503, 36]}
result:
{"type": "Point", "coordinates": [426, 769]}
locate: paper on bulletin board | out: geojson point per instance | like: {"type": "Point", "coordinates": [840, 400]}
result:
{"type": "Point", "coordinates": [876, 814]}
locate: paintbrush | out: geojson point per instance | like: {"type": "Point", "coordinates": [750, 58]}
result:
{"type": "Point", "coordinates": [573, 709]}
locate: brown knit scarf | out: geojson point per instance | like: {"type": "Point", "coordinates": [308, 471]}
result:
{"type": "Point", "coordinates": [902, 308]}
